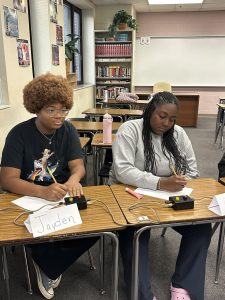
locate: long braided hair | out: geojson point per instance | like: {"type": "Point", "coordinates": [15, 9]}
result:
{"type": "Point", "coordinates": [169, 144]}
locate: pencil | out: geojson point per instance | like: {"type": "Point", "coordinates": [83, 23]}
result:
{"type": "Point", "coordinates": [173, 169]}
{"type": "Point", "coordinates": [50, 172]}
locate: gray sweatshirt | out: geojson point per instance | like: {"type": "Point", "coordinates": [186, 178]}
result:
{"type": "Point", "coordinates": [128, 156]}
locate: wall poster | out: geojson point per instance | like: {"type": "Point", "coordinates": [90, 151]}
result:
{"type": "Point", "coordinates": [53, 11]}
{"type": "Point", "coordinates": [11, 22]}
{"type": "Point", "coordinates": [55, 55]}
{"type": "Point", "coordinates": [20, 5]}
{"type": "Point", "coordinates": [59, 35]}
{"type": "Point", "coordinates": [23, 52]}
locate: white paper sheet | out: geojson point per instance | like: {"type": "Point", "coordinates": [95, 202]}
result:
{"type": "Point", "coordinates": [163, 194]}
{"type": "Point", "coordinates": [35, 203]}
{"type": "Point", "coordinates": [217, 204]}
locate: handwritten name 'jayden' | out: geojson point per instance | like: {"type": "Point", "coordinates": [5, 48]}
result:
{"type": "Point", "coordinates": [53, 225]}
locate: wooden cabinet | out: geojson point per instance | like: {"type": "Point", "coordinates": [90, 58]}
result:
{"type": "Point", "coordinates": [113, 61]}
{"type": "Point", "coordinates": [188, 111]}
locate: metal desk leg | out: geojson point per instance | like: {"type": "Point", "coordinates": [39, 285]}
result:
{"type": "Point", "coordinates": [135, 260]}
{"type": "Point", "coordinates": [115, 244]}
{"type": "Point", "coordinates": [215, 226]}
{"type": "Point", "coordinates": [5, 271]}
{"type": "Point", "coordinates": [221, 130]}
{"type": "Point", "coordinates": [102, 263]}
{"type": "Point", "coordinates": [97, 164]}
{"type": "Point", "coordinates": [218, 123]}
{"type": "Point", "coordinates": [91, 260]}
{"type": "Point", "coordinates": [29, 289]}
{"type": "Point", "coordinates": [219, 250]}
{"type": "Point", "coordinates": [95, 174]}
{"type": "Point", "coordinates": [134, 292]}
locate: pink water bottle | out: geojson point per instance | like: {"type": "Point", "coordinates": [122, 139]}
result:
{"type": "Point", "coordinates": [107, 129]}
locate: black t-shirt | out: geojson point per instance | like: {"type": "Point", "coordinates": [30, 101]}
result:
{"type": "Point", "coordinates": [30, 151]}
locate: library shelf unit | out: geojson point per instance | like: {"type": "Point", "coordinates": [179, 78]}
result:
{"type": "Point", "coordinates": [113, 63]}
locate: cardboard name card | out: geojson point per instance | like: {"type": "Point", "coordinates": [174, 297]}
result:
{"type": "Point", "coordinates": [45, 222]}
{"type": "Point", "coordinates": [217, 204]}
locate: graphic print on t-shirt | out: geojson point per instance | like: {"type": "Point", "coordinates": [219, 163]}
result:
{"type": "Point", "coordinates": [40, 172]}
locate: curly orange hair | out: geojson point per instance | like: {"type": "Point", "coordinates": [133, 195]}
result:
{"type": "Point", "coordinates": [45, 90]}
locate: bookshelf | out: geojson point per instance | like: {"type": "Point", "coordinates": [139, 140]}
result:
{"type": "Point", "coordinates": [113, 63]}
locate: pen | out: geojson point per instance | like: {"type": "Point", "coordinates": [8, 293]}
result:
{"type": "Point", "coordinates": [173, 169]}
{"type": "Point", "coordinates": [50, 172]}
{"type": "Point", "coordinates": [138, 196]}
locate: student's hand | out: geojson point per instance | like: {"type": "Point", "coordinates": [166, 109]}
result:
{"type": "Point", "coordinates": [173, 183]}
{"type": "Point", "coordinates": [54, 192]}
{"type": "Point", "coordinates": [74, 188]}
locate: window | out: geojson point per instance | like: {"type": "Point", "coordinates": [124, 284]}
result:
{"type": "Point", "coordinates": [72, 24]}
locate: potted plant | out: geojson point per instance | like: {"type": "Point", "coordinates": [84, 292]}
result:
{"type": "Point", "coordinates": [70, 49]}
{"type": "Point", "coordinates": [120, 21]}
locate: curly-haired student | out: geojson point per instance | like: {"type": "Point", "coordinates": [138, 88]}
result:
{"type": "Point", "coordinates": [42, 157]}
{"type": "Point", "coordinates": [144, 152]}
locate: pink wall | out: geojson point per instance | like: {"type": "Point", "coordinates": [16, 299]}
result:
{"type": "Point", "coordinates": [181, 23]}
{"type": "Point", "coordinates": [210, 23]}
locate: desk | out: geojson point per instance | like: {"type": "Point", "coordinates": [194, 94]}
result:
{"type": "Point", "coordinates": [93, 127]}
{"type": "Point", "coordinates": [188, 112]}
{"type": "Point", "coordinates": [114, 103]}
{"type": "Point", "coordinates": [168, 217]}
{"type": "Point", "coordinates": [11, 234]}
{"type": "Point", "coordinates": [125, 113]}
{"type": "Point", "coordinates": [139, 104]}
{"type": "Point", "coordinates": [98, 147]}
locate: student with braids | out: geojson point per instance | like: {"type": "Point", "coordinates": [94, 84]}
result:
{"type": "Point", "coordinates": [143, 153]}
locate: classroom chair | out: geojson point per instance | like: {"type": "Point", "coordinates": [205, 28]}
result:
{"type": "Point", "coordinates": [106, 167]}
{"type": "Point", "coordinates": [88, 133]}
{"type": "Point", "coordinates": [220, 120]}
{"type": "Point", "coordinates": [162, 87]}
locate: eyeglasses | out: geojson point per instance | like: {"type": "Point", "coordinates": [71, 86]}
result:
{"type": "Point", "coordinates": [54, 112]}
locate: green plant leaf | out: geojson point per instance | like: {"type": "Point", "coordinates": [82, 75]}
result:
{"type": "Point", "coordinates": [70, 47]}
{"type": "Point", "coordinates": [122, 17]}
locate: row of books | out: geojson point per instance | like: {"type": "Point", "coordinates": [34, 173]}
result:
{"type": "Point", "coordinates": [113, 71]}
{"type": "Point", "coordinates": [113, 50]}
{"type": "Point", "coordinates": [122, 37]}
{"type": "Point", "coordinates": [114, 59]}
{"type": "Point", "coordinates": [112, 92]}
{"type": "Point", "coordinates": [114, 82]}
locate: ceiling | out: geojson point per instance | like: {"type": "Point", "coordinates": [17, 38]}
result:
{"type": "Point", "coordinates": [143, 6]}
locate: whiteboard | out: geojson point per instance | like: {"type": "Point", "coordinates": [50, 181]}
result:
{"type": "Point", "coordinates": [192, 61]}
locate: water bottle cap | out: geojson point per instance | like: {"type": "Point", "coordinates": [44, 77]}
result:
{"type": "Point", "coordinates": [107, 116]}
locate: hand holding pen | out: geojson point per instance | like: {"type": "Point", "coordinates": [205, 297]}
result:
{"type": "Point", "coordinates": [174, 183]}
{"type": "Point", "coordinates": [72, 187]}
{"type": "Point", "coordinates": [55, 191]}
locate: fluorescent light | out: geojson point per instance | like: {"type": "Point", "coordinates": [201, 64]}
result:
{"type": "Point", "coordinates": [159, 2]}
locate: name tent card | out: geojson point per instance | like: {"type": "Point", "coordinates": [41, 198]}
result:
{"type": "Point", "coordinates": [45, 222]}
{"type": "Point", "coordinates": [217, 204]}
